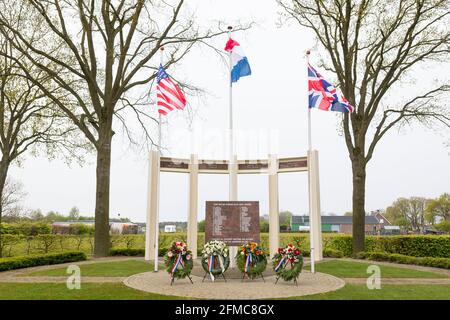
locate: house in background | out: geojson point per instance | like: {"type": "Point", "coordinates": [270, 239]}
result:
{"type": "Point", "coordinates": [374, 224]}
{"type": "Point", "coordinates": [170, 228]}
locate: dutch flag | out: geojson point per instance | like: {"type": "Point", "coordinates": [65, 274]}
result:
{"type": "Point", "coordinates": [239, 63]}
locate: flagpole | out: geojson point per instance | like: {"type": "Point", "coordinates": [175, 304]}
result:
{"type": "Point", "coordinates": [232, 158]}
{"type": "Point", "coordinates": [159, 114]}
{"type": "Point", "coordinates": [311, 229]}
{"type": "Point", "coordinates": [155, 267]}
{"type": "Point", "coordinates": [232, 186]}
{"type": "Point", "coordinates": [308, 52]}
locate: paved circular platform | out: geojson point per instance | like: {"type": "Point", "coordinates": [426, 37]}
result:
{"type": "Point", "coordinates": [308, 283]}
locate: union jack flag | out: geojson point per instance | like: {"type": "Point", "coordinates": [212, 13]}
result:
{"type": "Point", "coordinates": [168, 94]}
{"type": "Point", "coordinates": [323, 95]}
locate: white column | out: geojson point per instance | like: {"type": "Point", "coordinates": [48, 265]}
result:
{"type": "Point", "coordinates": [151, 229]}
{"type": "Point", "coordinates": [274, 218]}
{"type": "Point", "coordinates": [314, 204]}
{"type": "Point", "coordinates": [193, 206]}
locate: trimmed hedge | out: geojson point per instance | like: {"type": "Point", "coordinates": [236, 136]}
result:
{"type": "Point", "coordinates": [416, 246]}
{"type": "Point", "coordinates": [40, 260]}
{"type": "Point", "coordinates": [403, 259]}
{"type": "Point", "coordinates": [127, 252]}
{"type": "Point", "coordinates": [332, 253]}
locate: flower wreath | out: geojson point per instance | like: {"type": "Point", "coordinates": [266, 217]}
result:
{"type": "Point", "coordinates": [251, 260]}
{"type": "Point", "coordinates": [178, 260]}
{"type": "Point", "coordinates": [289, 256]}
{"type": "Point", "coordinates": [215, 258]}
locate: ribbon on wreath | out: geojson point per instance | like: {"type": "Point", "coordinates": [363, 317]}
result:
{"type": "Point", "coordinates": [281, 263]}
{"type": "Point", "coordinates": [222, 267]}
{"type": "Point", "coordinates": [178, 262]}
{"type": "Point", "coordinates": [248, 262]}
{"type": "Point", "coordinates": [210, 266]}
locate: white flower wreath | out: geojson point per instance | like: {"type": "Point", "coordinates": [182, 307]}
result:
{"type": "Point", "coordinates": [212, 250]}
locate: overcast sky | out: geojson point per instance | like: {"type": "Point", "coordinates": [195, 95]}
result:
{"type": "Point", "coordinates": [270, 108]}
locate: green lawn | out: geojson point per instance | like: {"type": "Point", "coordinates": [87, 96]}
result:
{"type": "Point", "coordinates": [118, 291]}
{"type": "Point", "coordinates": [338, 268]}
{"type": "Point", "coordinates": [387, 292]}
{"type": "Point", "coordinates": [109, 291]}
{"type": "Point", "coordinates": [88, 291]}
{"type": "Point", "coordinates": [108, 269]}
{"type": "Point", "coordinates": [349, 269]}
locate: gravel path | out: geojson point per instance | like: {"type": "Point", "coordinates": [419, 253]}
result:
{"type": "Point", "coordinates": [308, 283]}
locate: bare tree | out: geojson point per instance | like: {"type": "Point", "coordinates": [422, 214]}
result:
{"type": "Point", "coordinates": [114, 45]}
{"type": "Point", "coordinates": [11, 197]}
{"type": "Point", "coordinates": [371, 46]}
{"type": "Point", "coordinates": [29, 120]}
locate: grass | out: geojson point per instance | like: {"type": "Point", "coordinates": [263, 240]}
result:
{"type": "Point", "coordinates": [338, 268]}
{"type": "Point", "coordinates": [349, 269]}
{"type": "Point", "coordinates": [118, 291]}
{"type": "Point", "coordinates": [102, 269]}
{"type": "Point", "coordinates": [88, 291]}
{"type": "Point", "coordinates": [387, 292]}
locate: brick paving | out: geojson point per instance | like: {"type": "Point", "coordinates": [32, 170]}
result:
{"type": "Point", "coordinates": [308, 283]}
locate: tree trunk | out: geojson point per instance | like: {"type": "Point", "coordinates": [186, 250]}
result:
{"type": "Point", "coordinates": [101, 235]}
{"type": "Point", "coordinates": [4, 166]}
{"type": "Point", "coordinates": [359, 213]}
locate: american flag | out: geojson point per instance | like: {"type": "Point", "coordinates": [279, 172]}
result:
{"type": "Point", "coordinates": [168, 94]}
{"type": "Point", "coordinates": [323, 95]}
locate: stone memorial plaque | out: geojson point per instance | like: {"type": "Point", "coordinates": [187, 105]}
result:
{"type": "Point", "coordinates": [173, 164]}
{"type": "Point", "coordinates": [233, 222]}
{"type": "Point", "coordinates": [293, 164]}
{"type": "Point", "coordinates": [256, 166]}
{"type": "Point", "coordinates": [213, 166]}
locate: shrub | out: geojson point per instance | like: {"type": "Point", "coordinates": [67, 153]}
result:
{"type": "Point", "coordinates": [6, 228]}
{"type": "Point", "coordinates": [46, 241]}
{"type": "Point", "coordinates": [40, 260]}
{"type": "Point", "coordinates": [81, 229]}
{"type": "Point", "coordinates": [8, 241]}
{"type": "Point", "coordinates": [418, 246]}
{"type": "Point", "coordinates": [127, 252]}
{"type": "Point", "coordinates": [443, 226]}
{"type": "Point", "coordinates": [332, 253]}
{"type": "Point", "coordinates": [129, 241]}
{"type": "Point", "coordinates": [32, 228]}
{"type": "Point", "coordinates": [400, 258]}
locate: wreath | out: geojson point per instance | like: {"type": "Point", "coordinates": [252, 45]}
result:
{"type": "Point", "coordinates": [215, 257]}
{"type": "Point", "coordinates": [288, 262]}
{"type": "Point", "coordinates": [251, 260]}
{"type": "Point", "coordinates": [178, 260]}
